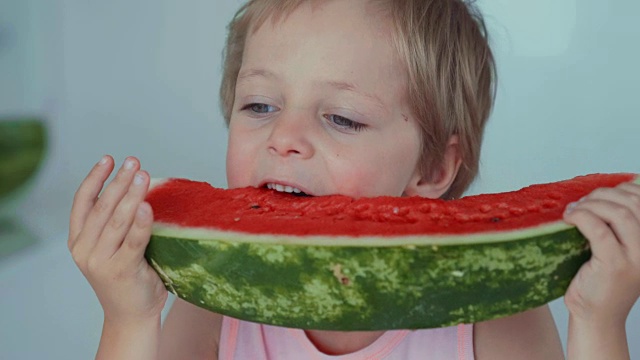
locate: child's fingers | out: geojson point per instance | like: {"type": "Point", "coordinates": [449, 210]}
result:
{"type": "Point", "coordinates": [601, 237]}
{"type": "Point", "coordinates": [630, 187]}
{"type": "Point", "coordinates": [132, 249]}
{"type": "Point", "coordinates": [86, 196]}
{"type": "Point", "coordinates": [633, 192]}
{"type": "Point", "coordinates": [622, 220]}
{"type": "Point", "coordinates": [627, 195]}
{"type": "Point", "coordinates": [105, 206]}
{"type": "Point", "coordinates": [118, 226]}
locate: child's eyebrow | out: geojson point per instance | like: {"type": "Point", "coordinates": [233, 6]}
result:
{"type": "Point", "coordinates": [246, 74]}
{"type": "Point", "coordinates": [347, 86]}
{"type": "Point", "coordinates": [339, 85]}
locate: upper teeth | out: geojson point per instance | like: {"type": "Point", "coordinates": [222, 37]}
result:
{"type": "Point", "coordinates": [283, 188]}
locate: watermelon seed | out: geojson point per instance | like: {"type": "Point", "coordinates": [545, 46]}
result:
{"type": "Point", "coordinates": [255, 206]}
{"type": "Point", "coordinates": [495, 219]}
{"type": "Point", "coordinates": [236, 219]}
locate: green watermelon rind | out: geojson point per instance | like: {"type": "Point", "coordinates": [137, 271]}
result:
{"type": "Point", "coordinates": [357, 287]}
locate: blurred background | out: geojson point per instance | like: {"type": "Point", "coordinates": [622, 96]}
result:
{"type": "Point", "coordinates": [141, 78]}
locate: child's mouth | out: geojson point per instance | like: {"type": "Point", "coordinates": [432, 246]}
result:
{"type": "Point", "coordinates": [287, 189]}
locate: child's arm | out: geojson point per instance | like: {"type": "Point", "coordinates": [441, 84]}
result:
{"type": "Point", "coordinates": [530, 335]}
{"type": "Point", "coordinates": [597, 340]}
{"type": "Point", "coordinates": [190, 332]}
{"type": "Point", "coordinates": [138, 340]}
{"type": "Point", "coordinates": [605, 289]}
{"type": "Point", "coordinates": [108, 235]}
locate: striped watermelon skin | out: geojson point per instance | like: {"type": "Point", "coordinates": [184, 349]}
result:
{"type": "Point", "coordinates": [361, 288]}
{"type": "Point", "coordinates": [349, 284]}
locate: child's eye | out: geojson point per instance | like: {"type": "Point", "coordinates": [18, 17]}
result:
{"type": "Point", "coordinates": [259, 108]}
{"type": "Point", "coordinates": [343, 122]}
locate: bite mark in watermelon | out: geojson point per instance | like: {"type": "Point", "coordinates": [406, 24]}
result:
{"type": "Point", "coordinates": [338, 263]}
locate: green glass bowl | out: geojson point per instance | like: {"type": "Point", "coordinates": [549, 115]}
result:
{"type": "Point", "coordinates": [23, 147]}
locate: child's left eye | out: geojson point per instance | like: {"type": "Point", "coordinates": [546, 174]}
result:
{"type": "Point", "coordinates": [343, 122]}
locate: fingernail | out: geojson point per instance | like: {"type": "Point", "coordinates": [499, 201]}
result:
{"type": "Point", "coordinates": [571, 207]}
{"type": "Point", "coordinates": [138, 179]}
{"type": "Point", "coordinates": [128, 165]}
{"type": "Point", "coordinates": [103, 160]}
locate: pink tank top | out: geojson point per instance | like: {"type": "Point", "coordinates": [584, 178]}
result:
{"type": "Point", "coordinates": [242, 340]}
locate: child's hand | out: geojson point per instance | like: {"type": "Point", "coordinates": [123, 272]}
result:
{"type": "Point", "coordinates": [607, 286]}
{"type": "Point", "coordinates": [107, 238]}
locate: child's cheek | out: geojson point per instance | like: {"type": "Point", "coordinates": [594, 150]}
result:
{"type": "Point", "coordinates": [357, 181]}
{"type": "Point", "coordinates": [237, 167]}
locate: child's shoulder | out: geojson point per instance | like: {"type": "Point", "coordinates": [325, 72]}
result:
{"type": "Point", "coordinates": [528, 335]}
{"type": "Point", "coordinates": [190, 332]}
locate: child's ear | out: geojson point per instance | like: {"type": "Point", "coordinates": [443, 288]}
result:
{"type": "Point", "coordinates": [437, 186]}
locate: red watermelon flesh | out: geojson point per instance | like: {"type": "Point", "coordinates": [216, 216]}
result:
{"type": "Point", "coordinates": [187, 203]}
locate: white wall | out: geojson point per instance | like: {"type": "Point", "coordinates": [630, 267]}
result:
{"type": "Point", "coordinates": [20, 76]}
{"type": "Point", "coordinates": [141, 78]}
{"type": "Point", "coordinates": [567, 100]}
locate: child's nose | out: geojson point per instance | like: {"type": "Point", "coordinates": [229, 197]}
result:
{"type": "Point", "coordinates": [291, 136]}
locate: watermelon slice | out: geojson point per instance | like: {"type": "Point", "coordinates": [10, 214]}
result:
{"type": "Point", "coordinates": [23, 149]}
{"type": "Point", "coordinates": [337, 263]}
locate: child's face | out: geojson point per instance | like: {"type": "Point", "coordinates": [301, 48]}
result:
{"type": "Point", "coordinates": [320, 106]}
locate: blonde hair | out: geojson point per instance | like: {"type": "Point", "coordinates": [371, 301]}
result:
{"type": "Point", "coordinates": [443, 46]}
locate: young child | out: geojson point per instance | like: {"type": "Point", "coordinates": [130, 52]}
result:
{"type": "Point", "coordinates": [362, 98]}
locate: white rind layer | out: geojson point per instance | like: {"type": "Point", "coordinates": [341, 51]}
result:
{"type": "Point", "coordinates": [200, 234]}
